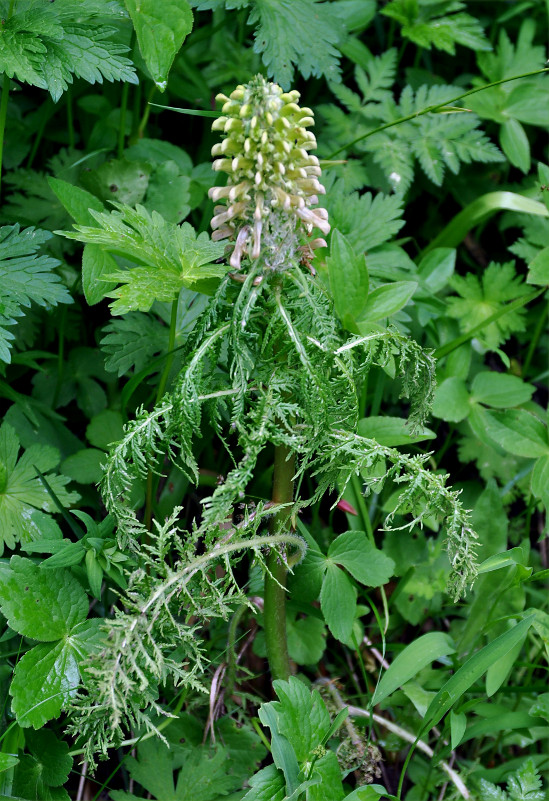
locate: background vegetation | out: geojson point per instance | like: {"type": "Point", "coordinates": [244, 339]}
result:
{"type": "Point", "coordinates": [123, 604]}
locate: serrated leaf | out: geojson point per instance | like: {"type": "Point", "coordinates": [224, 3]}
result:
{"type": "Point", "coordinates": [131, 342]}
{"type": "Point", "coordinates": [364, 220]}
{"type": "Point", "coordinates": [301, 716]}
{"type": "Point", "coordinates": [161, 30]}
{"type": "Point", "coordinates": [24, 278]}
{"type": "Point", "coordinates": [519, 432]}
{"type": "Point", "coordinates": [21, 491]}
{"type": "Point", "coordinates": [40, 604]}
{"type": "Point", "coordinates": [267, 785]}
{"type": "Point", "coordinates": [284, 27]}
{"type": "Point", "coordinates": [175, 257]}
{"type": "Point", "coordinates": [47, 677]}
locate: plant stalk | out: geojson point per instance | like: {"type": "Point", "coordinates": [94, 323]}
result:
{"type": "Point", "coordinates": [274, 613]}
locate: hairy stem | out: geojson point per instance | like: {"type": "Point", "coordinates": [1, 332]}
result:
{"type": "Point", "coordinates": [274, 613]}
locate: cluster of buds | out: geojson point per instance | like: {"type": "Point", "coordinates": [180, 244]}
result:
{"type": "Point", "coordinates": [273, 179]}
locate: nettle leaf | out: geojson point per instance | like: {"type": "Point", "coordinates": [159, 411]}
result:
{"type": "Point", "coordinates": [50, 606]}
{"type": "Point", "coordinates": [132, 341]}
{"type": "Point", "coordinates": [25, 278]}
{"type": "Point", "coordinates": [45, 46]}
{"type": "Point", "coordinates": [174, 256]}
{"type": "Point", "coordinates": [22, 492]}
{"type": "Point", "coordinates": [442, 24]}
{"type": "Point", "coordinates": [365, 221]}
{"type": "Point", "coordinates": [480, 298]}
{"type": "Point", "coordinates": [161, 30]}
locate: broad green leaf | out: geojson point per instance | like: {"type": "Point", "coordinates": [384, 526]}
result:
{"type": "Point", "coordinates": [282, 751]}
{"type": "Point", "coordinates": [500, 668]}
{"type": "Point", "coordinates": [451, 402]}
{"type": "Point", "coordinates": [338, 602]}
{"type": "Point", "coordinates": [411, 660]}
{"type": "Point", "coordinates": [105, 428]}
{"type": "Point", "coordinates": [518, 432]}
{"type": "Point", "coordinates": [365, 563]}
{"type": "Point", "coordinates": [96, 264]}
{"type": "Point", "coordinates": [161, 29]}
{"type": "Point", "coordinates": [348, 280]}
{"type": "Point", "coordinates": [85, 466]}
{"type": "Point", "coordinates": [513, 556]}
{"type": "Point", "coordinates": [500, 390]}
{"type": "Point", "coordinates": [47, 677]}
{"type": "Point", "coordinates": [458, 724]}
{"type": "Point", "coordinates": [7, 761]}
{"type": "Point", "coordinates": [76, 200]}
{"type": "Point", "coordinates": [472, 670]}
{"type": "Point", "coordinates": [436, 268]}
{"type": "Point", "coordinates": [387, 300]}
{"type": "Point", "coordinates": [538, 269]}
{"type": "Point", "coordinates": [515, 144]}
{"type": "Point", "coordinates": [301, 716]}
{"type": "Point", "coordinates": [392, 431]}
{"type": "Point", "coordinates": [267, 785]}
{"type": "Point", "coordinates": [328, 786]}
{"type": "Point", "coordinates": [371, 792]}
{"type": "Point", "coordinates": [540, 479]}
{"type": "Point", "coordinates": [51, 758]}
{"type": "Point", "coordinates": [40, 604]}
{"type": "Point", "coordinates": [306, 640]}
{"type": "Point", "coordinates": [117, 180]}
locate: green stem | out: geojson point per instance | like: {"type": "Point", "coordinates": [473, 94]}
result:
{"type": "Point", "coordinates": [274, 611]}
{"type": "Point", "coordinates": [435, 107]}
{"type": "Point", "coordinates": [3, 115]}
{"type": "Point", "coordinates": [145, 117]}
{"type": "Point", "coordinates": [231, 650]}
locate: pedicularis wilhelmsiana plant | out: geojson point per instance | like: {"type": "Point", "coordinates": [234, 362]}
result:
{"type": "Point", "coordinates": [234, 563]}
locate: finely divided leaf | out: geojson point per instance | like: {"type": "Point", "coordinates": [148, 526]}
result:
{"type": "Point", "coordinates": [25, 278]}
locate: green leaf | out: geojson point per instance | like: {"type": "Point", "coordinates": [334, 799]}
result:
{"type": "Point", "coordinates": [105, 428]}
{"type": "Point", "coordinates": [538, 269]}
{"type": "Point", "coordinates": [338, 602]}
{"type": "Point", "coordinates": [452, 690]}
{"type": "Point", "coordinates": [161, 30]}
{"type": "Point", "coordinates": [458, 724]}
{"type": "Point", "coordinates": [500, 390]}
{"type": "Point", "coordinates": [301, 716]}
{"type": "Point", "coordinates": [411, 660]}
{"type": "Point", "coordinates": [327, 780]}
{"type": "Point", "coordinates": [22, 492]}
{"type": "Point", "coordinates": [364, 561]}
{"type": "Point", "coordinates": [365, 221]}
{"type": "Point", "coordinates": [540, 479]}
{"type": "Point", "coordinates": [40, 604]}
{"type": "Point", "coordinates": [51, 759]}
{"type": "Point", "coordinates": [515, 144]}
{"type": "Point", "coordinates": [132, 342]}
{"type": "Point", "coordinates": [7, 761]}
{"type": "Point", "coordinates": [425, 25]}
{"type": "Point", "coordinates": [47, 677]}
{"type": "Point", "coordinates": [452, 401]}
{"type": "Point", "coordinates": [174, 256]}
{"type": "Point", "coordinates": [46, 47]}
{"type": "Point", "coordinates": [500, 668]}
{"type": "Point", "coordinates": [96, 264]}
{"type": "Point", "coordinates": [436, 268]}
{"type": "Point", "coordinates": [282, 750]}
{"type": "Point", "coordinates": [387, 300]}
{"type": "Point", "coordinates": [76, 200]}
{"type": "Point", "coordinates": [392, 431]}
{"type": "Point", "coordinates": [348, 280]}
{"type": "Point", "coordinates": [306, 640]}
{"type": "Point", "coordinates": [267, 785]}
{"type": "Point", "coordinates": [480, 210]}
{"type": "Point", "coordinates": [25, 278]}
{"type": "Point", "coordinates": [282, 35]}
{"type": "Point", "coordinates": [117, 180]}
{"type": "Point", "coordinates": [85, 466]}
{"type": "Point", "coordinates": [518, 431]}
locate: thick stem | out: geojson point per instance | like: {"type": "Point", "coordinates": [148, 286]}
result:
{"type": "Point", "coordinates": [274, 612]}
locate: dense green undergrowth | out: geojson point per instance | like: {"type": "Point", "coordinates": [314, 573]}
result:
{"type": "Point", "coordinates": [274, 459]}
